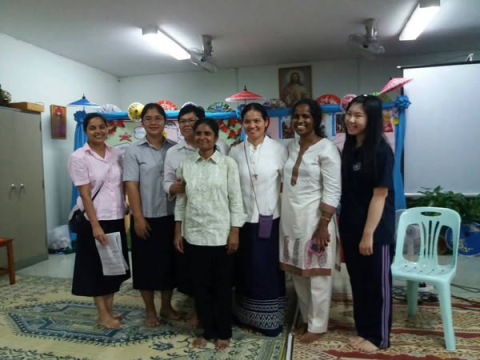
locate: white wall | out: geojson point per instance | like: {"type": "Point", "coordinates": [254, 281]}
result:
{"type": "Point", "coordinates": [36, 75]}
{"type": "Point", "coordinates": [200, 87]}
{"type": "Point", "coordinates": [337, 77]}
{"type": "Point", "coordinates": [204, 88]}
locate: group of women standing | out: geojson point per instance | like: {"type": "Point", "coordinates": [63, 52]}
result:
{"type": "Point", "coordinates": [231, 217]}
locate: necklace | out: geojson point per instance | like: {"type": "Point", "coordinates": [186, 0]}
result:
{"type": "Point", "coordinates": [248, 157]}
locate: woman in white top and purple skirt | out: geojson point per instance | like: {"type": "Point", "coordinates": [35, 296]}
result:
{"type": "Point", "coordinates": [259, 281]}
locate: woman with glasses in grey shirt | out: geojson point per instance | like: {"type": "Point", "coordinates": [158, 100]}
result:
{"type": "Point", "coordinates": [152, 221]}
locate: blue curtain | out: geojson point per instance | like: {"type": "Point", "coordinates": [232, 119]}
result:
{"type": "Point", "coordinates": [80, 139]}
{"type": "Point", "coordinates": [402, 103]}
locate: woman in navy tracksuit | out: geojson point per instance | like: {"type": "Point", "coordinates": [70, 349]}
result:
{"type": "Point", "coordinates": [367, 221]}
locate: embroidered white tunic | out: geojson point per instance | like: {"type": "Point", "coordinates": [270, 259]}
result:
{"type": "Point", "coordinates": [319, 180]}
{"type": "Point", "coordinates": [212, 203]}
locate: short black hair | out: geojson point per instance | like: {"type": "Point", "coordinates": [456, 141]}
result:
{"type": "Point", "coordinates": [187, 109]}
{"type": "Point", "coordinates": [91, 116]}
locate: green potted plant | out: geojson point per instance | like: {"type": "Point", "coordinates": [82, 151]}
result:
{"type": "Point", "coordinates": [5, 97]}
{"type": "Point", "coordinates": [469, 210]}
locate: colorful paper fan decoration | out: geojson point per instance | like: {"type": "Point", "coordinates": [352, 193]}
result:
{"type": "Point", "coordinates": [383, 97]}
{"type": "Point", "coordinates": [108, 108]}
{"type": "Point", "coordinates": [167, 105]}
{"type": "Point", "coordinates": [245, 96]}
{"type": "Point", "coordinates": [274, 104]}
{"type": "Point", "coordinates": [220, 107]}
{"type": "Point", "coordinates": [328, 99]}
{"type": "Point", "coordinates": [134, 110]}
{"type": "Point", "coordinates": [394, 84]}
{"type": "Point", "coordinates": [346, 100]}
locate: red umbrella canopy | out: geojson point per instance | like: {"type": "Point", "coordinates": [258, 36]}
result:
{"type": "Point", "coordinates": [167, 105]}
{"type": "Point", "coordinates": [328, 99]}
{"type": "Point", "coordinates": [244, 95]}
{"type": "Point", "coordinates": [394, 84]}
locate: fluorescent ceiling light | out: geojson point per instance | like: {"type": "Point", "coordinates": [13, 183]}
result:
{"type": "Point", "coordinates": [164, 43]}
{"type": "Point", "coordinates": [420, 18]}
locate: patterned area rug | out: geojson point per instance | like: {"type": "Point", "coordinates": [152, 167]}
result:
{"type": "Point", "coordinates": [420, 337]}
{"type": "Point", "coordinates": [40, 319]}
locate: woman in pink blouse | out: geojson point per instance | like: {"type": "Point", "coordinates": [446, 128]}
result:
{"type": "Point", "coordinates": [98, 167]}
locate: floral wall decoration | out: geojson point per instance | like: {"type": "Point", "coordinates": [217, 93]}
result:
{"type": "Point", "coordinates": [230, 130]}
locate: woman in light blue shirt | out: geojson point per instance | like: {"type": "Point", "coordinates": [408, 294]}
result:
{"type": "Point", "coordinates": [208, 217]}
{"type": "Point", "coordinates": [152, 221]}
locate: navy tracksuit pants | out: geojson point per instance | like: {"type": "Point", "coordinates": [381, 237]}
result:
{"type": "Point", "coordinates": [371, 281]}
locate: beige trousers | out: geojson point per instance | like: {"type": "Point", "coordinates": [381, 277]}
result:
{"type": "Point", "coordinates": [313, 296]}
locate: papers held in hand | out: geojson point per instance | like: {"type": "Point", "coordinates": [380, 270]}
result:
{"type": "Point", "coordinates": [111, 255]}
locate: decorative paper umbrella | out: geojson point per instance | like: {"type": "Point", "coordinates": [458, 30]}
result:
{"type": "Point", "coordinates": [83, 102]}
{"type": "Point", "coordinates": [244, 95]}
{"type": "Point", "coordinates": [394, 84]}
{"type": "Point", "coordinates": [220, 107]}
{"type": "Point", "coordinates": [328, 99]}
{"type": "Point", "coordinates": [274, 104]}
{"type": "Point", "coordinates": [167, 105]}
{"type": "Point", "coordinates": [346, 100]}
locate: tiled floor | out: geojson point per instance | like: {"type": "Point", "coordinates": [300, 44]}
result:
{"type": "Point", "coordinates": [468, 271]}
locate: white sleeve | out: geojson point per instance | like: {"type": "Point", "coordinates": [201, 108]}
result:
{"type": "Point", "coordinates": [169, 175]}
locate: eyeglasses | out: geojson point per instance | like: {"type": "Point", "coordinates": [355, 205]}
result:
{"type": "Point", "coordinates": [153, 120]}
{"type": "Point", "coordinates": [187, 121]}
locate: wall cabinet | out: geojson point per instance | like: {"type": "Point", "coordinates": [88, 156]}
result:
{"type": "Point", "coordinates": [22, 195]}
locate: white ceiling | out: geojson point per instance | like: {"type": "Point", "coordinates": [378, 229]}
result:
{"type": "Point", "coordinates": [106, 34]}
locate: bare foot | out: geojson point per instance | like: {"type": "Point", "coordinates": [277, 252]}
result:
{"type": "Point", "coordinates": [110, 323]}
{"type": "Point", "coordinates": [117, 316]}
{"type": "Point", "coordinates": [222, 344]}
{"type": "Point", "coordinates": [193, 322]}
{"type": "Point", "coordinates": [199, 342]}
{"type": "Point", "coordinates": [299, 330]}
{"type": "Point", "coordinates": [309, 337]}
{"type": "Point", "coordinates": [249, 330]}
{"type": "Point", "coordinates": [366, 347]}
{"type": "Point", "coordinates": [170, 314]}
{"type": "Point", "coordinates": [151, 319]}
{"type": "Point", "coordinates": [354, 341]}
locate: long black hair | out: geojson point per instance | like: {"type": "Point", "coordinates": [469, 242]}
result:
{"type": "Point", "coordinates": [257, 107]}
{"type": "Point", "coordinates": [372, 106]}
{"type": "Point", "coordinates": [212, 124]}
{"type": "Point", "coordinates": [156, 106]}
{"type": "Point", "coordinates": [316, 113]}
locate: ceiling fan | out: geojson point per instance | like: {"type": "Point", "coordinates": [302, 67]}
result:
{"type": "Point", "coordinates": [367, 42]}
{"type": "Point", "coordinates": [203, 58]}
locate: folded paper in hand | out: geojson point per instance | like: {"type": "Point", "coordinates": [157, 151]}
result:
{"type": "Point", "coordinates": [111, 255]}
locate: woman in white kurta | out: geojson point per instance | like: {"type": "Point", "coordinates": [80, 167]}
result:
{"type": "Point", "coordinates": [311, 192]}
{"type": "Point", "coordinates": [259, 281]}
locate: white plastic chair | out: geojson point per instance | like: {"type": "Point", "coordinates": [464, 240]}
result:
{"type": "Point", "coordinates": [430, 221]}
